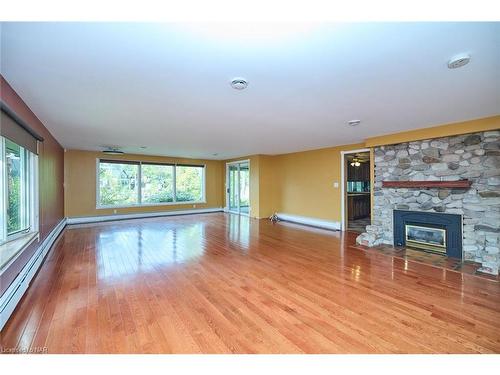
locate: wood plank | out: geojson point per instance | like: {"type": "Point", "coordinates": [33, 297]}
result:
{"type": "Point", "coordinates": [460, 184]}
{"type": "Point", "coordinates": [219, 283]}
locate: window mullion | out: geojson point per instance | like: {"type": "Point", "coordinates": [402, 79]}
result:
{"type": "Point", "coordinates": [24, 186]}
{"type": "Point", "coordinates": [139, 190]}
{"type": "Point", "coordinates": [203, 185]}
{"type": "Point", "coordinates": [174, 174]}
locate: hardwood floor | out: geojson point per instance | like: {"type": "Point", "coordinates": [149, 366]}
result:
{"type": "Point", "coordinates": [217, 283]}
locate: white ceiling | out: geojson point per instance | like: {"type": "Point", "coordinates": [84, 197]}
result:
{"type": "Point", "coordinates": [166, 86]}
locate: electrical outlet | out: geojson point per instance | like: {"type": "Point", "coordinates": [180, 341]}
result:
{"type": "Point", "coordinates": [194, 206]}
{"type": "Point", "coordinates": [114, 211]}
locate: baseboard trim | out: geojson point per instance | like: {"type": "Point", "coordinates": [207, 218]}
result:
{"type": "Point", "coordinates": [319, 223]}
{"type": "Point", "coordinates": [16, 290]}
{"type": "Point", "coordinates": [99, 219]}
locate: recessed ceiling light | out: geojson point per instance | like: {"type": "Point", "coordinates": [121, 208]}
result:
{"type": "Point", "coordinates": [354, 122]}
{"type": "Point", "coordinates": [458, 61]}
{"type": "Point", "coordinates": [239, 83]}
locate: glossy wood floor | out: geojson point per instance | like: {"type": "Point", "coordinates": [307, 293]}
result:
{"type": "Point", "coordinates": [217, 283]}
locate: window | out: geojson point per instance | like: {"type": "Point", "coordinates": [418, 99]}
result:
{"type": "Point", "coordinates": [118, 183]}
{"type": "Point", "coordinates": [159, 183]}
{"type": "Point", "coordinates": [189, 183]}
{"type": "Point", "coordinates": [18, 190]}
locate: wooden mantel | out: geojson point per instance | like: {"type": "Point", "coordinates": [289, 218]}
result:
{"type": "Point", "coordinates": [460, 184]}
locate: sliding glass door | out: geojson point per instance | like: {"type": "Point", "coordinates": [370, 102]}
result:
{"type": "Point", "coordinates": [232, 190]}
{"type": "Point", "coordinates": [244, 188]}
{"type": "Point", "coordinates": [238, 187]}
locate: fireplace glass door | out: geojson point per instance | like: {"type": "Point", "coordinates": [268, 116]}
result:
{"type": "Point", "coordinates": [426, 238]}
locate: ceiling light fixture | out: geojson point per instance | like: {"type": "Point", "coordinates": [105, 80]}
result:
{"type": "Point", "coordinates": [239, 83]}
{"type": "Point", "coordinates": [458, 61]}
{"type": "Point", "coordinates": [354, 122]}
{"type": "Point", "coordinates": [355, 163]}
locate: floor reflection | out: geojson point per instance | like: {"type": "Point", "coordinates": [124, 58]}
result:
{"type": "Point", "coordinates": [219, 283]}
{"type": "Point", "coordinates": [137, 249]}
{"type": "Point", "coordinates": [239, 230]}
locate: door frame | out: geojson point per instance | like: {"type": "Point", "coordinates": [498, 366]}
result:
{"type": "Point", "coordinates": [226, 188]}
{"type": "Point", "coordinates": [343, 177]}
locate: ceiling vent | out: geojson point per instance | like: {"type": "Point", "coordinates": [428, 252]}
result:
{"type": "Point", "coordinates": [458, 61]}
{"type": "Point", "coordinates": [113, 151]}
{"type": "Point", "coordinates": [239, 83]}
{"type": "Point", "coordinates": [354, 122]}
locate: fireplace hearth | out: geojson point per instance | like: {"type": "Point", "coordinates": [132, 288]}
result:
{"type": "Point", "coordinates": [428, 231]}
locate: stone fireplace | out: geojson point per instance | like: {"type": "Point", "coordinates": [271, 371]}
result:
{"type": "Point", "coordinates": [475, 157]}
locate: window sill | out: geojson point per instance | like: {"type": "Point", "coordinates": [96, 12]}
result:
{"type": "Point", "coordinates": [152, 205]}
{"type": "Point", "coordinates": [10, 250]}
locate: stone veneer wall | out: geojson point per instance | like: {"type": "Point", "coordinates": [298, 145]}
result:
{"type": "Point", "coordinates": [472, 156]}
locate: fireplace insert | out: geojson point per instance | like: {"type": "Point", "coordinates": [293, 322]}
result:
{"type": "Point", "coordinates": [429, 231]}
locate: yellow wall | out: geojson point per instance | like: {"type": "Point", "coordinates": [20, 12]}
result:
{"type": "Point", "coordinates": [269, 198]}
{"type": "Point", "coordinates": [299, 183]}
{"type": "Point", "coordinates": [464, 127]}
{"type": "Point", "coordinates": [80, 184]}
{"type": "Point", "coordinates": [305, 182]}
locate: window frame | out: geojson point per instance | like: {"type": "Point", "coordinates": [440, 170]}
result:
{"type": "Point", "coordinates": [139, 190]}
{"type": "Point", "coordinates": [30, 197]}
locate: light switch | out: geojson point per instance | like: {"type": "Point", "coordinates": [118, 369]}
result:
{"type": "Point", "coordinates": [336, 185]}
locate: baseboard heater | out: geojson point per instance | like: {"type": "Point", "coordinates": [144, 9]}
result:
{"type": "Point", "coordinates": [11, 297]}
{"type": "Point", "coordinates": [313, 222]}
